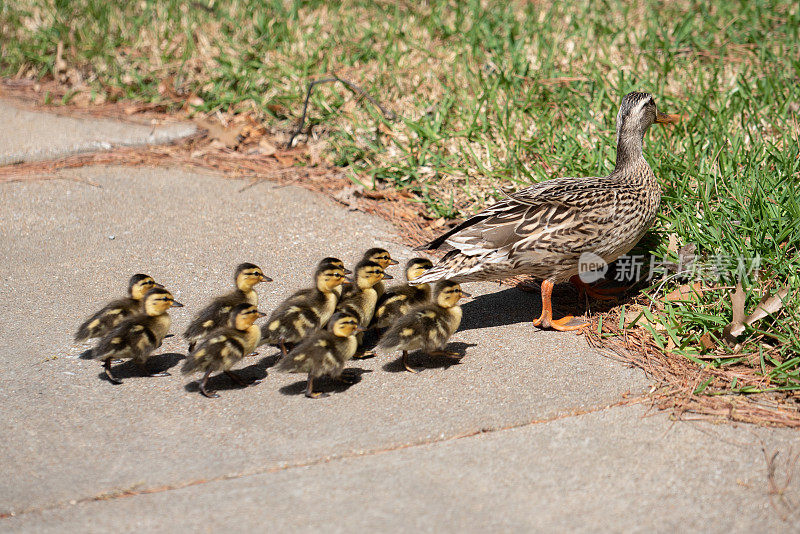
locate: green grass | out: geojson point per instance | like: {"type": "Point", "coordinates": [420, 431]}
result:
{"type": "Point", "coordinates": [491, 98]}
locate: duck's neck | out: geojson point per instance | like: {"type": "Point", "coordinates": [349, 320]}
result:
{"type": "Point", "coordinates": [629, 150]}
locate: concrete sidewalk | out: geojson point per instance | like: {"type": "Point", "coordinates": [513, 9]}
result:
{"type": "Point", "coordinates": [528, 431]}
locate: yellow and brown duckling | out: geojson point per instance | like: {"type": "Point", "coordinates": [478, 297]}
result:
{"type": "Point", "coordinates": [361, 298]}
{"type": "Point", "coordinates": [427, 327]}
{"type": "Point", "coordinates": [117, 310]}
{"type": "Point", "coordinates": [324, 353]}
{"type": "Point", "coordinates": [138, 336]}
{"type": "Point", "coordinates": [215, 315]}
{"type": "Point", "coordinates": [330, 261]}
{"type": "Point", "coordinates": [226, 346]}
{"type": "Point", "coordinates": [547, 229]}
{"type": "Point", "coordinates": [399, 299]}
{"type": "Point", "coordinates": [382, 257]}
{"type": "Point", "coordinates": [304, 311]}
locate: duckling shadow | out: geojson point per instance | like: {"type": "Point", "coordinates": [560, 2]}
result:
{"type": "Point", "coordinates": [327, 384]}
{"type": "Point", "coordinates": [270, 361]}
{"type": "Point", "coordinates": [418, 359]}
{"type": "Point", "coordinates": [251, 375]}
{"type": "Point", "coordinates": [155, 364]}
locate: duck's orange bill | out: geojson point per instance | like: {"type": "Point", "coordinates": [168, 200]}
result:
{"type": "Point", "coordinates": [666, 118]}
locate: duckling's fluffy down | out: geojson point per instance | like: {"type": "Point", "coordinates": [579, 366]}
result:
{"type": "Point", "coordinates": [107, 318]}
{"type": "Point", "coordinates": [301, 313]}
{"type": "Point", "coordinates": [134, 338]}
{"type": "Point", "coordinates": [321, 354]}
{"type": "Point", "coordinates": [398, 301]}
{"type": "Point", "coordinates": [214, 316]}
{"type": "Point", "coordinates": [218, 352]}
{"type": "Point", "coordinates": [426, 327]}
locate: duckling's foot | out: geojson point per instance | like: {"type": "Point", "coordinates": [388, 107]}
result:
{"type": "Point", "coordinates": [347, 378]}
{"type": "Point", "coordinates": [407, 366]}
{"type": "Point", "coordinates": [310, 393]}
{"type": "Point", "coordinates": [204, 391]}
{"type": "Point", "coordinates": [236, 378]}
{"type": "Point", "coordinates": [447, 354]}
{"type": "Point", "coordinates": [160, 373]}
{"type": "Point", "coordinates": [111, 378]}
{"type": "Point", "coordinates": [364, 355]}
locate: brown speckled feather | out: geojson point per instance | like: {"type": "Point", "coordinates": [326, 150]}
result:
{"type": "Point", "coordinates": [544, 229]}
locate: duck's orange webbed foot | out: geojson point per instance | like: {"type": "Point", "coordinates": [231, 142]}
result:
{"type": "Point", "coordinates": [546, 320]}
{"type": "Point", "coordinates": [599, 293]}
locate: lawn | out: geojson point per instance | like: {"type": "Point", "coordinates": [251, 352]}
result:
{"type": "Point", "coordinates": [490, 97]}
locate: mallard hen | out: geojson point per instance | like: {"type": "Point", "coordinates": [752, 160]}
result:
{"type": "Point", "coordinates": [544, 230]}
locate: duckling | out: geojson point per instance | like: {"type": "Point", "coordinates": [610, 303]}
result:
{"type": "Point", "coordinates": [325, 352]}
{"type": "Point", "coordinates": [381, 257]}
{"type": "Point", "coordinates": [361, 298]}
{"type": "Point", "coordinates": [334, 262]}
{"type": "Point", "coordinates": [399, 299]}
{"type": "Point", "coordinates": [138, 336]}
{"type": "Point", "coordinates": [428, 326]}
{"type": "Point", "coordinates": [225, 346]}
{"type": "Point", "coordinates": [305, 310]}
{"type": "Point", "coordinates": [215, 315]}
{"type": "Point", "coordinates": [117, 310]}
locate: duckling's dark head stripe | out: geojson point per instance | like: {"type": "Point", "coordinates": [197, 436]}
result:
{"type": "Point", "coordinates": [243, 307]}
{"type": "Point", "coordinates": [136, 278]}
{"type": "Point", "coordinates": [338, 316]}
{"type": "Point", "coordinates": [244, 267]}
{"type": "Point", "coordinates": [331, 261]}
{"type": "Point", "coordinates": [375, 252]}
{"type": "Point", "coordinates": [419, 262]}
{"type": "Point", "coordinates": [367, 264]}
{"type": "Point", "coordinates": [158, 291]}
{"type": "Point", "coordinates": [444, 285]}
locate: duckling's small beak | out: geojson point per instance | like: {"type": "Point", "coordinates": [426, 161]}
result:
{"type": "Point", "coordinates": [465, 295]}
{"type": "Point", "coordinates": [666, 118]}
{"type": "Point", "coordinates": [160, 286]}
{"type": "Point", "coordinates": [393, 262]}
{"type": "Point", "coordinates": [361, 329]}
{"type": "Point", "coordinates": [346, 270]}
{"type": "Point", "coordinates": [347, 281]}
{"type": "Point", "coordinates": [261, 314]}
{"type": "Point", "coordinates": [388, 276]}
{"type": "Point", "coordinates": [265, 278]}
{"type": "Point", "coordinates": [176, 304]}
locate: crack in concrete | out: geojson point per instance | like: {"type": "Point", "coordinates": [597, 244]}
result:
{"type": "Point", "coordinates": [133, 492]}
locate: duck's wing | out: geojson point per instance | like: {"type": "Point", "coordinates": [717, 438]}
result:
{"type": "Point", "coordinates": [132, 338]}
{"type": "Point", "coordinates": [555, 215]}
{"type": "Point", "coordinates": [107, 318]}
{"type": "Point", "coordinates": [220, 350]}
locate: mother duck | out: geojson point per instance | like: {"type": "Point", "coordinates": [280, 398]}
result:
{"type": "Point", "coordinates": [544, 230]}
